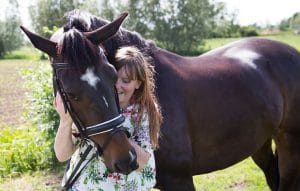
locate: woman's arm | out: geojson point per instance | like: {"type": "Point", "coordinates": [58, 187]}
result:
{"type": "Point", "coordinates": [142, 155]}
{"type": "Point", "coordinates": [63, 144]}
{"type": "Point", "coordinates": [142, 143]}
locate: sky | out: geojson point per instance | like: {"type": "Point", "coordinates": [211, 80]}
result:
{"type": "Point", "coordinates": [249, 12]}
{"type": "Point", "coordinates": [262, 12]}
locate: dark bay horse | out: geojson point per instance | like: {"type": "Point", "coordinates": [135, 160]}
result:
{"type": "Point", "coordinates": [85, 81]}
{"type": "Point", "coordinates": [221, 107]}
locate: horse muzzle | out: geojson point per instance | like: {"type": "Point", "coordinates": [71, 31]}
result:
{"type": "Point", "coordinates": [128, 164]}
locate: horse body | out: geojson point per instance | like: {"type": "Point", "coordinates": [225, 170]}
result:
{"type": "Point", "coordinates": [226, 105]}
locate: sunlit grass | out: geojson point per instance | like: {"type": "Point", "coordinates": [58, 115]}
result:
{"type": "Point", "coordinates": [35, 181]}
{"type": "Point", "coordinates": [287, 37]}
{"type": "Point", "coordinates": [27, 53]}
{"type": "Point", "coordinates": [244, 176]}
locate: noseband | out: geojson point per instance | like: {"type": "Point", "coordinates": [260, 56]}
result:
{"type": "Point", "coordinates": [111, 126]}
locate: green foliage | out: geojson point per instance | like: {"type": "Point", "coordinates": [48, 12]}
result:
{"type": "Point", "coordinates": [11, 38]}
{"type": "Point", "coordinates": [179, 25]}
{"type": "Point", "coordinates": [29, 146]}
{"type": "Point", "coordinates": [25, 53]}
{"type": "Point", "coordinates": [295, 23]}
{"type": "Point", "coordinates": [22, 150]}
{"type": "Point", "coordinates": [248, 31]}
{"type": "Point", "coordinates": [292, 23]}
{"type": "Point", "coordinates": [40, 109]}
{"type": "Point", "coordinates": [48, 14]}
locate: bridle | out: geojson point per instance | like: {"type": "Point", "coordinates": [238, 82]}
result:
{"type": "Point", "coordinates": [111, 126]}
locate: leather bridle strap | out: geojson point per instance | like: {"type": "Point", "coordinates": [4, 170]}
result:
{"type": "Point", "coordinates": [65, 100]}
{"type": "Point", "coordinates": [85, 132]}
{"type": "Point", "coordinates": [105, 127]}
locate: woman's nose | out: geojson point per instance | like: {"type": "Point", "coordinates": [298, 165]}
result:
{"type": "Point", "coordinates": [118, 84]}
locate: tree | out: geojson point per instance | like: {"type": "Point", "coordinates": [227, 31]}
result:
{"type": "Point", "coordinates": [11, 38]}
{"type": "Point", "coordinates": [178, 25]}
{"type": "Point", "coordinates": [295, 23]}
{"type": "Point", "coordinates": [49, 13]}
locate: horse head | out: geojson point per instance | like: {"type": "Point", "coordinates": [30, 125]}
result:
{"type": "Point", "coordinates": [85, 80]}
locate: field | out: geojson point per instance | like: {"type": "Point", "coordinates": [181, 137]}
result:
{"type": "Point", "coordinates": [291, 39]}
{"type": "Point", "coordinates": [244, 176]}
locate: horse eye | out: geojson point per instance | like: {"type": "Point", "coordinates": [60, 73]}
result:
{"type": "Point", "coordinates": [73, 96]}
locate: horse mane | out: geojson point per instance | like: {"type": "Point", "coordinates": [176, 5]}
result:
{"type": "Point", "coordinates": [87, 22]}
{"type": "Point", "coordinates": [74, 47]}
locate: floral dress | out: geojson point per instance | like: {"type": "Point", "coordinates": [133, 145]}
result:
{"type": "Point", "coordinates": [96, 177]}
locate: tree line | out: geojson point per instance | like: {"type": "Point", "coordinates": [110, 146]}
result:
{"type": "Point", "coordinates": [177, 25]}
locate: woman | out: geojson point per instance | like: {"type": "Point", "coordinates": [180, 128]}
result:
{"type": "Point", "coordinates": [135, 87]}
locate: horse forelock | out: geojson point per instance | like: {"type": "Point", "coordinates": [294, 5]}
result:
{"type": "Point", "coordinates": [76, 50]}
{"type": "Point", "coordinates": [80, 20]}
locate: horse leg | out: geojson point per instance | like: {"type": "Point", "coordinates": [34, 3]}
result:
{"type": "Point", "coordinates": [268, 162]}
{"type": "Point", "coordinates": [171, 182]}
{"type": "Point", "coordinates": [288, 147]}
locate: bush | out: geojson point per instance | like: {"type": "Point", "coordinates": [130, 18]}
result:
{"type": "Point", "coordinates": [22, 150]}
{"type": "Point", "coordinates": [25, 53]}
{"type": "Point", "coordinates": [40, 109]}
{"type": "Point", "coordinates": [30, 147]}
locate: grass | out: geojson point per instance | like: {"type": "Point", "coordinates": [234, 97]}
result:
{"type": "Point", "coordinates": [35, 181]}
{"type": "Point", "coordinates": [285, 37]}
{"type": "Point", "coordinates": [244, 176]}
{"type": "Point", "coordinates": [27, 53]}
{"type": "Point", "coordinates": [12, 92]}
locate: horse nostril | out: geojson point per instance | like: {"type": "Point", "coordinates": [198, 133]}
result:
{"type": "Point", "coordinates": [132, 156]}
{"type": "Point", "coordinates": [117, 168]}
{"type": "Point", "coordinates": [128, 165]}
{"type": "Point", "coordinates": [133, 160]}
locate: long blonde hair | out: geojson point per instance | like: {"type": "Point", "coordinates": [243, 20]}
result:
{"type": "Point", "coordinates": [138, 67]}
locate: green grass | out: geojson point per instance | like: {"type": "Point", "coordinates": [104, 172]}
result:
{"type": "Point", "coordinates": [27, 53]}
{"type": "Point", "coordinates": [286, 37]}
{"type": "Point", "coordinates": [244, 176]}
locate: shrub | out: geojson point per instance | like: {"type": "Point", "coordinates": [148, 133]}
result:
{"type": "Point", "coordinates": [40, 109]}
{"type": "Point", "coordinates": [25, 53]}
{"type": "Point", "coordinates": [30, 146]}
{"type": "Point", "coordinates": [23, 149]}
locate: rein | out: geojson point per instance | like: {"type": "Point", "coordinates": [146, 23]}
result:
{"type": "Point", "coordinates": [111, 126]}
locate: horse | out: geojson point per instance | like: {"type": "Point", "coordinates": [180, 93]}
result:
{"type": "Point", "coordinates": [85, 80]}
{"type": "Point", "coordinates": [221, 107]}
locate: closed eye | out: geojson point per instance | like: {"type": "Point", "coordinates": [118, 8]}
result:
{"type": "Point", "coordinates": [73, 96]}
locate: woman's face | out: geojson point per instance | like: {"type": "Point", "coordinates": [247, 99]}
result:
{"type": "Point", "coordinates": [125, 88]}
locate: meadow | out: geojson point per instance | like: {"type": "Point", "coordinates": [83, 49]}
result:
{"type": "Point", "coordinates": [244, 176]}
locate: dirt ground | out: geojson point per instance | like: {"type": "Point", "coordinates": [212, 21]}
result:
{"type": "Point", "coordinates": [12, 90]}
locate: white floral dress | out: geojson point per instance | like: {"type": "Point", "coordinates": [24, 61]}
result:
{"type": "Point", "coordinates": [96, 177]}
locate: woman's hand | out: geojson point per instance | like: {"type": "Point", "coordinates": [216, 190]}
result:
{"type": "Point", "coordinates": [59, 107]}
{"type": "Point", "coordinates": [142, 156]}
{"type": "Point", "coordinates": [63, 144]}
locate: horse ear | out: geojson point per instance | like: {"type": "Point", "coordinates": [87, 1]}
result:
{"type": "Point", "coordinates": [99, 35]}
{"type": "Point", "coordinates": [41, 43]}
